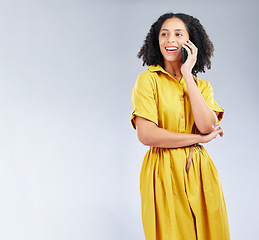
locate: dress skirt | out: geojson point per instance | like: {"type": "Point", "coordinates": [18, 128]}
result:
{"type": "Point", "coordinates": [181, 205]}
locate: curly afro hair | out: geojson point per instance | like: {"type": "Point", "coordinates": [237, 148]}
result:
{"type": "Point", "coordinates": [150, 51]}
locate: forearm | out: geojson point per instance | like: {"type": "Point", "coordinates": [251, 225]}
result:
{"type": "Point", "coordinates": [151, 135]}
{"type": "Point", "coordinates": [204, 118]}
{"type": "Point", "coordinates": [166, 139]}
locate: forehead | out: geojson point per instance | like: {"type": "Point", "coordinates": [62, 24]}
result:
{"type": "Point", "coordinates": [173, 24]}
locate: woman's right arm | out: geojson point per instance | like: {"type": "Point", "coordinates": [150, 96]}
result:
{"type": "Point", "coordinates": [151, 135]}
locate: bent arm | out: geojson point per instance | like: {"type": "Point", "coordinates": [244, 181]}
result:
{"type": "Point", "coordinates": [151, 135]}
{"type": "Point", "coordinates": [204, 117]}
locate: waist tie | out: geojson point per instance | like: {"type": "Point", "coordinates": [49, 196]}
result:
{"type": "Point", "coordinates": [188, 165]}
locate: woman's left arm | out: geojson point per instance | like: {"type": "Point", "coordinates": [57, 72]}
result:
{"type": "Point", "coordinates": [205, 119]}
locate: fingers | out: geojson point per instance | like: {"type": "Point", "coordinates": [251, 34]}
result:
{"type": "Point", "coordinates": [191, 58]}
{"type": "Point", "coordinates": [190, 48]}
{"type": "Point", "coordinates": [219, 130]}
{"type": "Point", "coordinates": [216, 131]}
{"type": "Point", "coordinates": [187, 48]}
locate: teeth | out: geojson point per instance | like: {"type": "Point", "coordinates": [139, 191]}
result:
{"type": "Point", "coordinates": [171, 48]}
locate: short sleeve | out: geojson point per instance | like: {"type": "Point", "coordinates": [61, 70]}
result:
{"type": "Point", "coordinates": [208, 96]}
{"type": "Point", "coordinates": [143, 99]}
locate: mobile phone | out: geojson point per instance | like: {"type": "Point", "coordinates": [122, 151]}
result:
{"type": "Point", "coordinates": [184, 54]}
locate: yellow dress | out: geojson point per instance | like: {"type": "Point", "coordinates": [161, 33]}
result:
{"type": "Point", "coordinates": [177, 205]}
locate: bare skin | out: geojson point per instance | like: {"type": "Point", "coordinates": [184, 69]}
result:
{"type": "Point", "coordinates": [151, 135]}
{"type": "Point", "coordinates": [174, 35]}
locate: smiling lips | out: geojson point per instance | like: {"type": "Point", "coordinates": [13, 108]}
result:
{"type": "Point", "coordinates": [171, 49]}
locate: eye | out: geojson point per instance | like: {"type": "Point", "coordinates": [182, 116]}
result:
{"type": "Point", "coordinates": [179, 34]}
{"type": "Point", "coordinates": [164, 34]}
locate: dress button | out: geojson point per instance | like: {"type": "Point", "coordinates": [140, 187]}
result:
{"type": "Point", "coordinates": [182, 116]}
{"type": "Point", "coordinates": [181, 99]}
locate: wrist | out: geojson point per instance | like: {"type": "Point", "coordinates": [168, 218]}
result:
{"type": "Point", "coordinates": [199, 138]}
{"type": "Point", "coordinates": [187, 76]}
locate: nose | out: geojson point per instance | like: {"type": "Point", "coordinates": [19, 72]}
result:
{"type": "Point", "coordinates": [171, 38]}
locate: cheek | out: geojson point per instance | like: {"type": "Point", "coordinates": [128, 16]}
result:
{"type": "Point", "coordinates": [182, 42]}
{"type": "Point", "coordinates": [160, 47]}
{"type": "Point", "coordinates": [185, 39]}
{"type": "Point", "coordinates": [161, 42]}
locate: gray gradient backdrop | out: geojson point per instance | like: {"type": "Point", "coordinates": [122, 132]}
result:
{"type": "Point", "coordinates": [69, 158]}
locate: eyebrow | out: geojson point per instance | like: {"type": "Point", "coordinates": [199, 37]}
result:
{"type": "Point", "coordinates": [178, 29]}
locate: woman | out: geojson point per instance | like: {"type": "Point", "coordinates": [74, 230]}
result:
{"type": "Point", "coordinates": [174, 111]}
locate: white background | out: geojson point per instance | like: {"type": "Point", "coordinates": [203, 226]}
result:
{"type": "Point", "coordinates": [69, 158]}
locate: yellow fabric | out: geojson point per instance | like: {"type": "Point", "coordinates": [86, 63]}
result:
{"type": "Point", "coordinates": [177, 205]}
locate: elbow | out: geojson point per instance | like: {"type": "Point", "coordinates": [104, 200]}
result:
{"type": "Point", "coordinates": [208, 126]}
{"type": "Point", "coordinates": [207, 129]}
{"type": "Point", "coordinates": [145, 139]}
{"type": "Point", "coordinates": [146, 131]}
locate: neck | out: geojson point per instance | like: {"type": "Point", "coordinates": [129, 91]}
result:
{"type": "Point", "coordinates": [174, 69]}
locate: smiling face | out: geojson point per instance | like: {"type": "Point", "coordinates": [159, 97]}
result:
{"type": "Point", "coordinates": [172, 35]}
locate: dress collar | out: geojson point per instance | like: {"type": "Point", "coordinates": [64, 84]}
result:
{"type": "Point", "coordinates": [157, 68]}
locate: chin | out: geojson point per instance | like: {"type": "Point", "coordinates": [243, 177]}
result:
{"type": "Point", "coordinates": [173, 61]}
